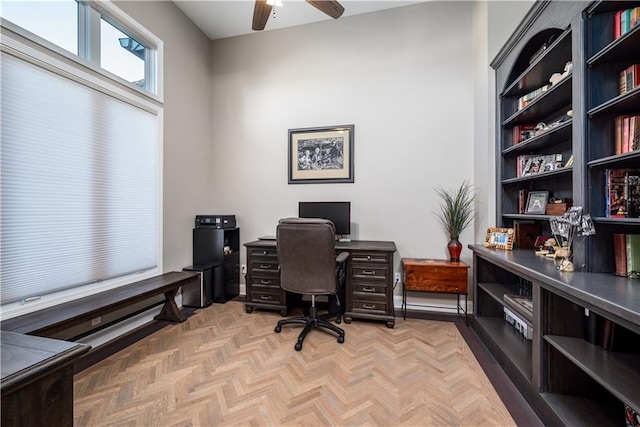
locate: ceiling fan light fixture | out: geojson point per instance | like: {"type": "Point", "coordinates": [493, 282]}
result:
{"type": "Point", "coordinates": [277, 3]}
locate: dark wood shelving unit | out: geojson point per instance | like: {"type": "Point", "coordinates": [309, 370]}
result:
{"type": "Point", "coordinates": [568, 371]}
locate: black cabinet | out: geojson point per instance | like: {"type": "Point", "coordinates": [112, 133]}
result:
{"type": "Point", "coordinates": [219, 248]}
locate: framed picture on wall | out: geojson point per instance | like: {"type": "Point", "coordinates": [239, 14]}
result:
{"type": "Point", "coordinates": [321, 155]}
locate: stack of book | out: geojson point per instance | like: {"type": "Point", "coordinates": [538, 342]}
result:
{"type": "Point", "coordinates": [629, 78]}
{"type": "Point", "coordinates": [627, 136]}
{"type": "Point", "coordinates": [527, 99]}
{"type": "Point", "coordinates": [626, 249]}
{"type": "Point", "coordinates": [625, 20]}
{"type": "Point", "coordinates": [622, 193]}
{"type": "Point", "coordinates": [523, 194]}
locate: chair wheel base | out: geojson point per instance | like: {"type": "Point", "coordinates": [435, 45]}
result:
{"type": "Point", "coordinates": [277, 329]}
{"type": "Point", "coordinates": [340, 339]}
{"type": "Point", "coordinates": [298, 346]}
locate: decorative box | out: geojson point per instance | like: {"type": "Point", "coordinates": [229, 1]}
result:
{"type": "Point", "coordinates": [557, 209]}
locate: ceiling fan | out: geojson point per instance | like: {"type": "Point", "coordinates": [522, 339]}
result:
{"type": "Point", "coordinates": [262, 10]}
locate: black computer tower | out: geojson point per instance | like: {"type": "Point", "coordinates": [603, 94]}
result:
{"type": "Point", "coordinates": [219, 248]}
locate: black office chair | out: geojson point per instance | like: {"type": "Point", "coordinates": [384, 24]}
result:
{"type": "Point", "coordinates": [309, 266]}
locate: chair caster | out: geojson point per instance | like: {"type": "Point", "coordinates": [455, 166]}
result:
{"type": "Point", "coordinates": [277, 329]}
{"type": "Point", "coordinates": [298, 346]}
{"type": "Point", "coordinates": [338, 319]}
{"type": "Point", "coordinates": [340, 339]}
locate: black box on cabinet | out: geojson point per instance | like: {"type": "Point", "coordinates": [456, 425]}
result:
{"type": "Point", "coordinates": [215, 221]}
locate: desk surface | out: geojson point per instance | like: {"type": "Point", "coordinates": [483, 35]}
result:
{"type": "Point", "coordinates": [354, 245]}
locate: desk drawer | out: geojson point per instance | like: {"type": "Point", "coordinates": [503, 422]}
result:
{"type": "Point", "coordinates": [370, 272]}
{"type": "Point", "coordinates": [370, 258]}
{"type": "Point", "coordinates": [370, 289]}
{"type": "Point", "coordinates": [266, 295]}
{"type": "Point", "coordinates": [370, 307]}
{"type": "Point", "coordinates": [265, 281]}
{"type": "Point", "coordinates": [264, 265]}
{"type": "Point", "coordinates": [437, 286]}
{"type": "Point", "coordinates": [261, 253]}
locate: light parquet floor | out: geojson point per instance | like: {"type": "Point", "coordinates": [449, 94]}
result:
{"type": "Point", "coordinates": [226, 367]}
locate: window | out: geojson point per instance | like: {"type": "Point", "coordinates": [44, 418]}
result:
{"type": "Point", "coordinates": [55, 21]}
{"type": "Point", "coordinates": [94, 31]}
{"type": "Point", "coordinates": [80, 172]}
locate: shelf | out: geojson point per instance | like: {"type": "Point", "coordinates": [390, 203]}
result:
{"type": "Point", "coordinates": [620, 377]}
{"type": "Point", "coordinates": [611, 6]}
{"type": "Point", "coordinates": [547, 139]}
{"type": "Point", "coordinates": [538, 176]}
{"type": "Point", "coordinates": [549, 102]}
{"type": "Point", "coordinates": [622, 104]}
{"type": "Point", "coordinates": [538, 73]}
{"type": "Point", "coordinates": [620, 221]}
{"type": "Point", "coordinates": [516, 348]}
{"type": "Point", "coordinates": [619, 161]}
{"type": "Point", "coordinates": [497, 292]}
{"type": "Point", "coordinates": [580, 411]}
{"type": "Point", "coordinates": [527, 217]}
{"type": "Point", "coordinates": [618, 50]}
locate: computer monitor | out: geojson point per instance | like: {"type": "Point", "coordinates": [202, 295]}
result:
{"type": "Point", "coordinates": [337, 212]}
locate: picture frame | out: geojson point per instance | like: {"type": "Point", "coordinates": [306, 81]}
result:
{"type": "Point", "coordinates": [537, 202]}
{"type": "Point", "coordinates": [499, 238]}
{"type": "Point", "coordinates": [321, 155]}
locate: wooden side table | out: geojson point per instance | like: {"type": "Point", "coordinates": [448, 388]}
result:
{"type": "Point", "coordinates": [434, 275]}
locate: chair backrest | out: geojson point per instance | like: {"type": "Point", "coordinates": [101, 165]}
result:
{"type": "Point", "coordinates": [307, 255]}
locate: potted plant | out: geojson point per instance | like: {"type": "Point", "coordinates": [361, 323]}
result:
{"type": "Point", "coordinates": [457, 210]}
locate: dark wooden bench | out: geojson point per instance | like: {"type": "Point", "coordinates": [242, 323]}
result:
{"type": "Point", "coordinates": [49, 321]}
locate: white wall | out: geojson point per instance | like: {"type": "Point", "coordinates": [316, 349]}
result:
{"type": "Point", "coordinates": [402, 77]}
{"type": "Point", "coordinates": [187, 126]}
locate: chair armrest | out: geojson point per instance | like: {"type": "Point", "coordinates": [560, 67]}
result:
{"type": "Point", "coordinates": [342, 257]}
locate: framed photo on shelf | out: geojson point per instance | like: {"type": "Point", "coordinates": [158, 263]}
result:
{"type": "Point", "coordinates": [321, 155]}
{"type": "Point", "coordinates": [499, 238]}
{"type": "Point", "coordinates": [537, 202]}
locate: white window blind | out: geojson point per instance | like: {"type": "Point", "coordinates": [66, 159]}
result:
{"type": "Point", "coordinates": [79, 183]}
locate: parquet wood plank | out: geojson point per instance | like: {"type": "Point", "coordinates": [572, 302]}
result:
{"type": "Point", "coordinates": [226, 367]}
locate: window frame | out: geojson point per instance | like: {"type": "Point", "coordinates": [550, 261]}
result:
{"type": "Point", "coordinates": [90, 12]}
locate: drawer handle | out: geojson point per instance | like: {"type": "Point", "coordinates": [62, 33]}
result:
{"type": "Point", "coordinates": [368, 272]}
{"type": "Point", "coordinates": [369, 306]}
{"type": "Point", "coordinates": [368, 257]}
{"type": "Point", "coordinates": [265, 282]}
{"type": "Point", "coordinates": [265, 297]}
{"type": "Point", "coordinates": [264, 253]}
{"type": "Point", "coordinates": [265, 266]}
{"type": "Point", "coordinates": [368, 289]}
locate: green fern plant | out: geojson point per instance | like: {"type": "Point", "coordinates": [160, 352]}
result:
{"type": "Point", "coordinates": [457, 209]}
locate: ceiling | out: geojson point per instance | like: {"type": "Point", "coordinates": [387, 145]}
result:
{"type": "Point", "coordinates": [226, 18]}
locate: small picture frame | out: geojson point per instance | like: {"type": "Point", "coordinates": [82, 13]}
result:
{"type": "Point", "coordinates": [499, 238]}
{"type": "Point", "coordinates": [537, 202]}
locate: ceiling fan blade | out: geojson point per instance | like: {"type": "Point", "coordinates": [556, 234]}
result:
{"type": "Point", "coordinates": [261, 12]}
{"type": "Point", "coordinates": [332, 8]}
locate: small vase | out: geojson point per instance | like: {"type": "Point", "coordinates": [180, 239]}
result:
{"type": "Point", "coordinates": [455, 247]}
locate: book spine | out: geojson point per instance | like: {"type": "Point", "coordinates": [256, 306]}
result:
{"type": "Point", "coordinates": [625, 135]}
{"type": "Point", "coordinates": [633, 256]}
{"type": "Point", "coordinates": [622, 83]}
{"type": "Point", "coordinates": [633, 193]}
{"type": "Point", "coordinates": [620, 253]}
{"type": "Point", "coordinates": [618, 135]}
{"type": "Point", "coordinates": [617, 31]}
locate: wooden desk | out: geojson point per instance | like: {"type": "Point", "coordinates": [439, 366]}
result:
{"type": "Point", "coordinates": [433, 275]}
{"type": "Point", "coordinates": [369, 293]}
{"type": "Point", "coordinates": [37, 380]}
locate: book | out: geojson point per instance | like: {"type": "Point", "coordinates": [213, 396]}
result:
{"type": "Point", "coordinates": [620, 253]}
{"type": "Point", "coordinates": [525, 234]}
{"type": "Point", "coordinates": [616, 206]}
{"type": "Point", "coordinates": [627, 133]}
{"type": "Point", "coordinates": [522, 132]}
{"type": "Point", "coordinates": [629, 78]}
{"type": "Point", "coordinates": [523, 194]}
{"type": "Point", "coordinates": [632, 193]}
{"type": "Point", "coordinates": [633, 256]}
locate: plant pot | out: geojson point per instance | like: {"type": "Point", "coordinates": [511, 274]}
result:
{"type": "Point", "coordinates": [455, 247]}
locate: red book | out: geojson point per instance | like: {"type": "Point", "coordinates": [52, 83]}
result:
{"type": "Point", "coordinates": [625, 134]}
{"type": "Point", "coordinates": [617, 32]}
{"type": "Point", "coordinates": [620, 253]}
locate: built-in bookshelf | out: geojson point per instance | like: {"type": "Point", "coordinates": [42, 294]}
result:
{"type": "Point", "coordinates": [567, 93]}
